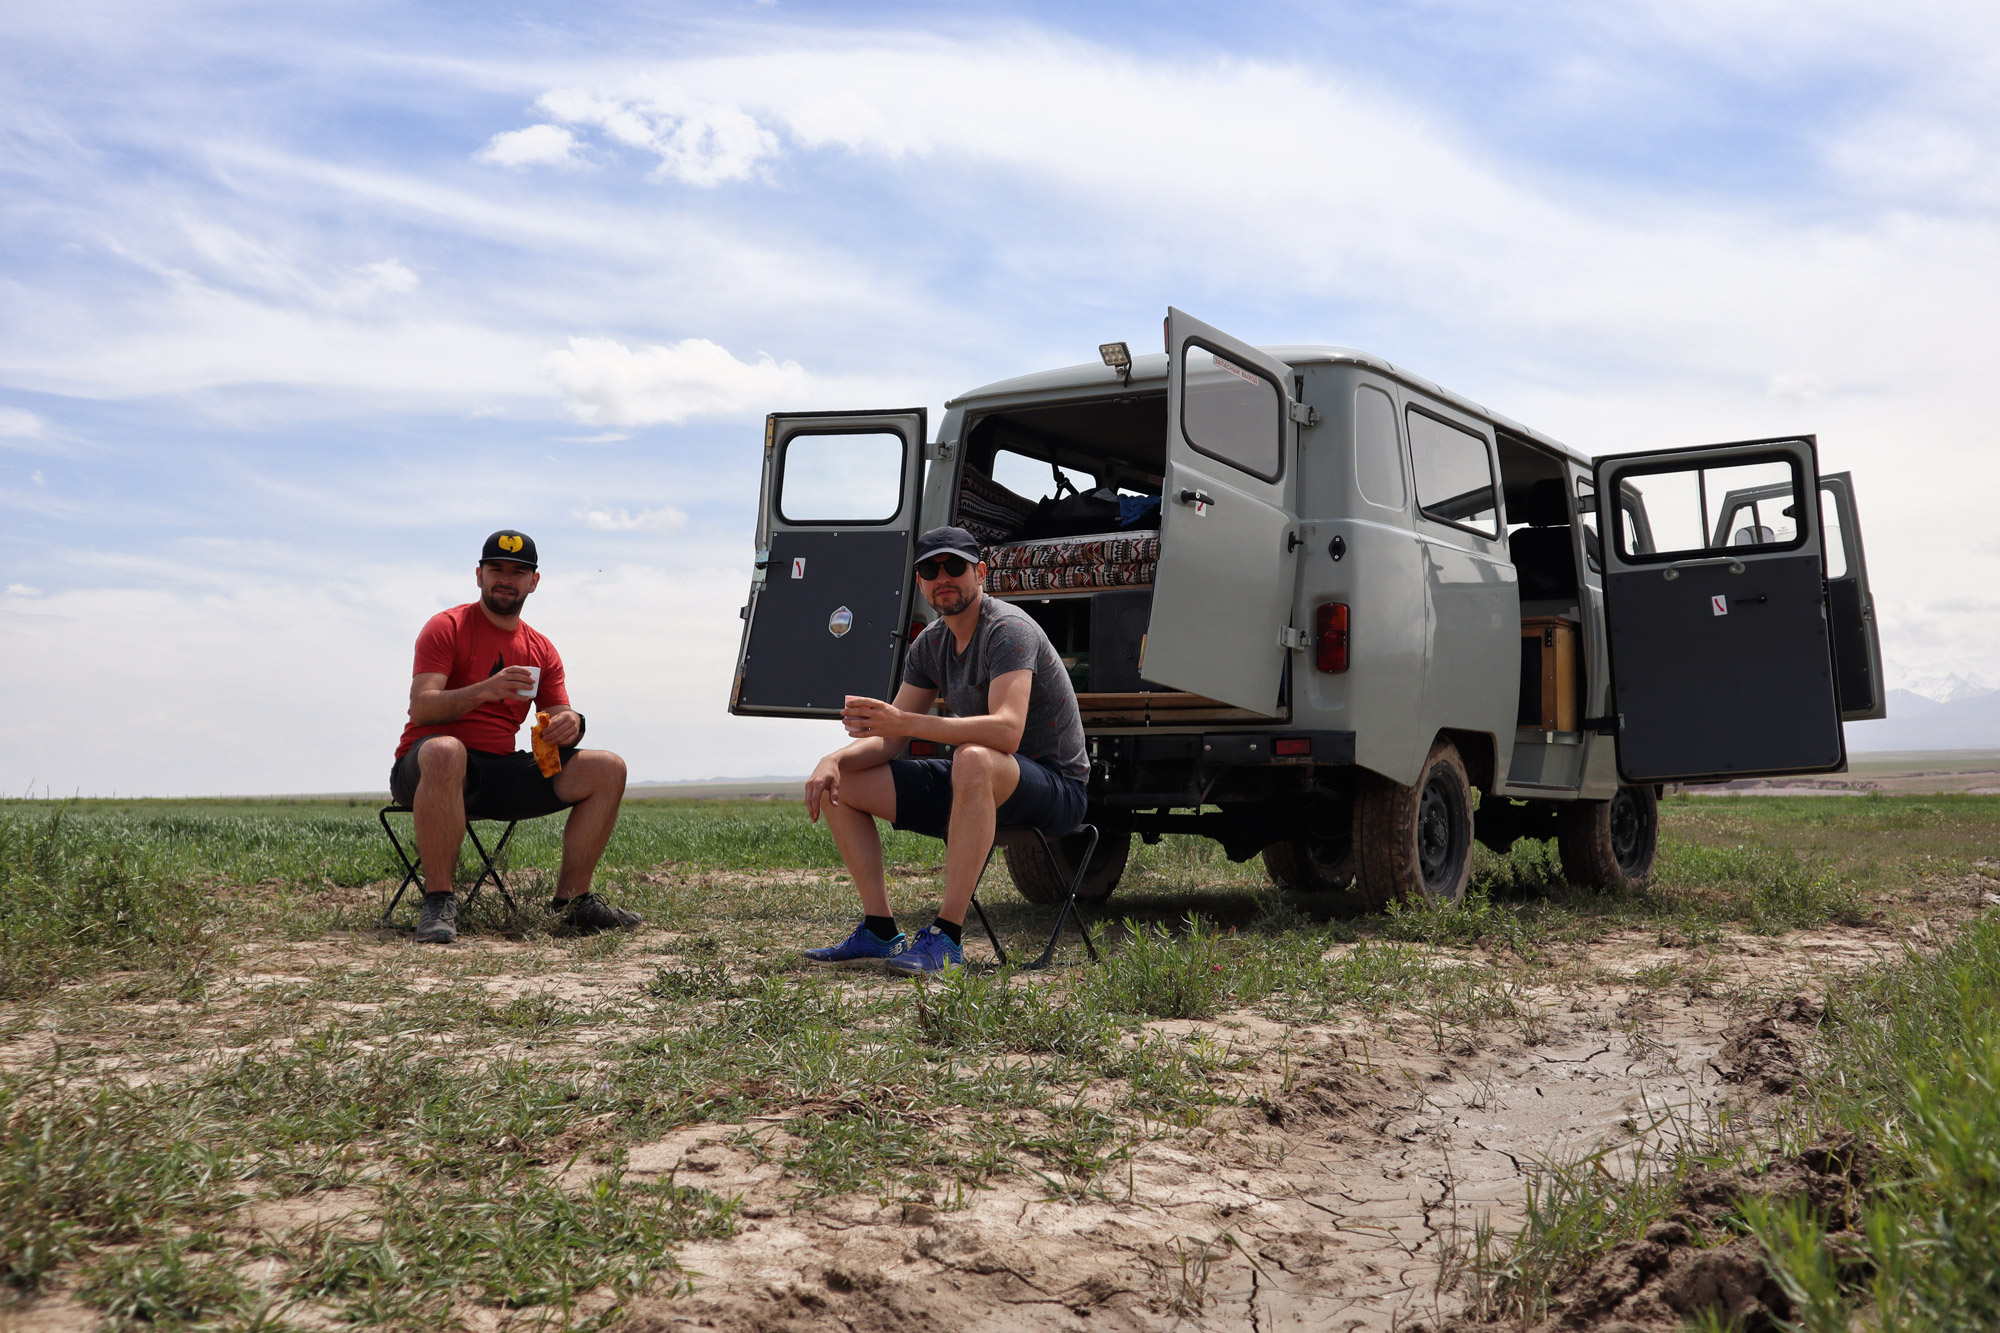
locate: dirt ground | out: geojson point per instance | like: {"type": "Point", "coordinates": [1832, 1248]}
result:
{"type": "Point", "coordinates": [1338, 1193]}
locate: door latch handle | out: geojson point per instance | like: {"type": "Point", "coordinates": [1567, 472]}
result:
{"type": "Point", "coordinates": [1673, 571]}
{"type": "Point", "coordinates": [1192, 497]}
{"type": "Point", "coordinates": [1293, 542]}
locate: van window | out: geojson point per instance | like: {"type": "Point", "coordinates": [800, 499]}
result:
{"type": "Point", "coordinates": [1036, 477]}
{"type": "Point", "coordinates": [1454, 474]}
{"type": "Point", "coordinates": [1834, 538]}
{"type": "Point", "coordinates": [1232, 413]}
{"type": "Point", "coordinates": [1689, 509]}
{"type": "Point", "coordinates": [1378, 460]}
{"type": "Point", "coordinates": [855, 477]}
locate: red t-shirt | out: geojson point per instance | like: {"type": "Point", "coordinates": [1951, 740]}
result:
{"type": "Point", "coordinates": [467, 647]}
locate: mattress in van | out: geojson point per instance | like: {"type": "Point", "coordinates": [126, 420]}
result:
{"type": "Point", "coordinates": [1094, 560]}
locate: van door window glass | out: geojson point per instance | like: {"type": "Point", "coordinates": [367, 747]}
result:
{"type": "Point", "coordinates": [846, 478]}
{"type": "Point", "coordinates": [1454, 474]}
{"type": "Point", "coordinates": [1687, 509]}
{"type": "Point", "coordinates": [1834, 537]}
{"type": "Point", "coordinates": [1378, 459]}
{"type": "Point", "coordinates": [1231, 412]}
{"type": "Point", "coordinates": [1035, 478]}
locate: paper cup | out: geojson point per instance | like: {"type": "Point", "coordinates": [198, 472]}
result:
{"type": "Point", "coordinates": [534, 686]}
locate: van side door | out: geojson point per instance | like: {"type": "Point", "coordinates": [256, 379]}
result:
{"type": "Point", "coordinates": [1223, 596]}
{"type": "Point", "coordinates": [829, 600]}
{"type": "Point", "coordinates": [1721, 657]}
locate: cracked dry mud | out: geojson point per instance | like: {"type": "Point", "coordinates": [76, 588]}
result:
{"type": "Point", "coordinates": [1332, 1202]}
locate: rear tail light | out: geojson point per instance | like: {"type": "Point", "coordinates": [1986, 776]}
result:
{"type": "Point", "coordinates": [1330, 637]}
{"type": "Point", "coordinates": [1293, 745]}
{"type": "Point", "coordinates": [923, 749]}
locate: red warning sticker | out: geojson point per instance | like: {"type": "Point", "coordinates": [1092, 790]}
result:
{"type": "Point", "coordinates": [798, 567]}
{"type": "Point", "coordinates": [1719, 604]}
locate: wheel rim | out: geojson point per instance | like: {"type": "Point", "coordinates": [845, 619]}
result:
{"type": "Point", "coordinates": [1436, 843]}
{"type": "Point", "coordinates": [1328, 856]}
{"type": "Point", "coordinates": [1627, 830]}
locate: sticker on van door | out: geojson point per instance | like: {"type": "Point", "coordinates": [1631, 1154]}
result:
{"type": "Point", "coordinates": [798, 566]}
{"type": "Point", "coordinates": [1719, 604]}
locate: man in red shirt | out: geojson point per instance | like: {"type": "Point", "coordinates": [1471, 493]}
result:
{"type": "Point", "coordinates": [478, 672]}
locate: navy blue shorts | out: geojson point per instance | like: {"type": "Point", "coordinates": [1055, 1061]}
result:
{"type": "Point", "coordinates": [1045, 798]}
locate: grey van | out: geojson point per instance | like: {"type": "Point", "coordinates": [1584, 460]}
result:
{"type": "Point", "coordinates": [1313, 603]}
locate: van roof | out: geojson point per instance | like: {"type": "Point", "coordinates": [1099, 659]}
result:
{"type": "Point", "coordinates": [1149, 372]}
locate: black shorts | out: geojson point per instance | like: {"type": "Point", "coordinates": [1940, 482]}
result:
{"type": "Point", "coordinates": [497, 786]}
{"type": "Point", "coordinates": [1045, 798]}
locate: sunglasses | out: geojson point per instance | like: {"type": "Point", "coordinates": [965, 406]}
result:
{"type": "Point", "coordinates": [952, 565]}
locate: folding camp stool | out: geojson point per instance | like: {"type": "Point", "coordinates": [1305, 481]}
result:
{"type": "Point", "coordinates": [414, 875]}
{"type": "Point", "coordinates": [1019, 834]}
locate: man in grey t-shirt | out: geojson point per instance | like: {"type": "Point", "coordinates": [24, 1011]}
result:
{"type": "Point", "coordinates": [1018, 756]}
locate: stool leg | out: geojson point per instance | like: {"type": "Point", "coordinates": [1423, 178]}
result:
{"type": "Point", "coordinates": [1069, 900]}
{"type": "Point", "coordinates": [998, 951]}
{"type": "Point", "coordinates": [410, 875]}
{"type": "Point", "coordinates": [492, 870]}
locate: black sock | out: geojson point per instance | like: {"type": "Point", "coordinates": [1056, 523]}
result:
{"type": "Point", "coordinates": [951, 930]}
{"type": "Point", "coordinates": [441, 893]}
{"type": "Point", "coordinates": [564, 904]}
{"type": "Point", "coordinates": [881, 927]}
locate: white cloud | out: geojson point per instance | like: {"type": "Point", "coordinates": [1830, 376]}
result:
{"type": "Point", "coordinates": [606, 381]}
{"type": "Point", "coordinates": [535, 146]}
{"type": "Point", "coordinates": [387, 275]}
{"type": "Point", "coordinates": [696, 142]}
{"type": "Point", "coordinates": [664, 519]}
{"type": "Point", "coordinates": [37, 477]}
{"type": "Point", "coordinates": [602, 437]}
{"type": "Point", "coordinates": [22, 590]}
{"type": "Point", "coordinates": [17, 424]}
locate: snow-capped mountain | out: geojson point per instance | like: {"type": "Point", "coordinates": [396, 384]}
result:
{"type": "Point", "coordinates": [1947, 707]}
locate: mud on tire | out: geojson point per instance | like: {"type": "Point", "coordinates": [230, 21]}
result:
{"type": "Point", "coordinates": [1029, 869]}
{"type": "Point", "coordinates": [1609, 844]}
{"type": "Point", "coordinates": [1415, 842]}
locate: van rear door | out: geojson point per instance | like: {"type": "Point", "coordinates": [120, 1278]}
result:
{"type": "Point", "coordinates": [836, 535]}
{"type": "Point", "coordinates": [1223, 596]}
{"type": "Point", "coordinates": [1721, 658]}
{"type": "Point", "coordinates": [1857, 644]}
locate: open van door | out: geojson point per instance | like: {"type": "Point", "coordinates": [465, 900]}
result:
{"type": "Point", "coordinates": [1857, 643]}
{"type": "Point", "coordinates": [836, 536]}
{"type": "Point", "coordinates": [1721, 657]}
{"type": "Point", "coordinates": [1223, 596]}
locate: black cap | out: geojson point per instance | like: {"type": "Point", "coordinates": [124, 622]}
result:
{"type": "Point", "coordinates": [508, 544]}
{"type": "Point", "coordinates": [948, 541]}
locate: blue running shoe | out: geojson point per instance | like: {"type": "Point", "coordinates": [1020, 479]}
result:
{"type": "Point", "coordinates": [864, 948]}
{"type": "Point", "coordinates": [929, 954]}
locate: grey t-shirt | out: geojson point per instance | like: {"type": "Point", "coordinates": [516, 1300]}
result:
{"type": "Point", "coordinates": [1007, 639]}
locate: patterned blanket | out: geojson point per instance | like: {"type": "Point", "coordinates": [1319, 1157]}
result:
{"type": "Point", "coordinates": [1098, 560]}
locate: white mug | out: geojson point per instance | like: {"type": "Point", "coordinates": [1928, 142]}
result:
{"type": "Point", "coordinates": [534, 686]}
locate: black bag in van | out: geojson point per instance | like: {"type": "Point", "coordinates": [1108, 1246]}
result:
{"type": "Point", "coordinates": [1073, 516]}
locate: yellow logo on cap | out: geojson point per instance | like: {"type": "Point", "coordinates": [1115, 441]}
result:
{"type": "Point", "coordinates": [510, 543]}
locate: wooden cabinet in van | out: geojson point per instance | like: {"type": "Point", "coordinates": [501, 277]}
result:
{"type": "Point", "coordinates": [1312, 603]}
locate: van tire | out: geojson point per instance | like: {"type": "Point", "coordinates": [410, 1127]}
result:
{"type": "Point", "coordinates": [1317, 860]}
{"type": "Point", "coordinates": [1609, 844]}
{"type": "Point", "coordinates": [1415, 843]}
{"type": "Point", "coordinates": [1029, 869]}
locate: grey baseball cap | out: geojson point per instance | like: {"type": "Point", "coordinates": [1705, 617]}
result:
{"type": "Point", "coordinates": [948, 541]}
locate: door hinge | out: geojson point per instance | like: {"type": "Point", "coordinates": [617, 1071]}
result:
{"type": "Point", "coordinates": [1293, 638]}
{"type": "Point", "coordinates": [1305, 414]}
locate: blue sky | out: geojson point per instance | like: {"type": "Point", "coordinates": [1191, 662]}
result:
{"type": "Point", "coordinates": [297, 303]}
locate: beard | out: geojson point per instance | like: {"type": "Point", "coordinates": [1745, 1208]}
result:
{"type": "Point", "coordinates": [948, 600]}
{"type": "Point", "coordinates": [502, 601]}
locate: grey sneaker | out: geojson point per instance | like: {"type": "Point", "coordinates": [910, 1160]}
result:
{"type": "Point", "coordinates": [587, 914]}
{"type": "Point", "coordinates": [439, 922]}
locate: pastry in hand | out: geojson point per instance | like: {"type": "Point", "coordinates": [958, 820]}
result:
{"type": "Point", "coordinates": [547, 757]}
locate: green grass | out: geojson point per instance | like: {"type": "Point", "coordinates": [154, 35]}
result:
{"type": "Point", "coordinates": [483, 1114]}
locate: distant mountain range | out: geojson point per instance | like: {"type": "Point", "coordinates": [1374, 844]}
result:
{"type": "Point", "coordinates": [1968, 718]}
